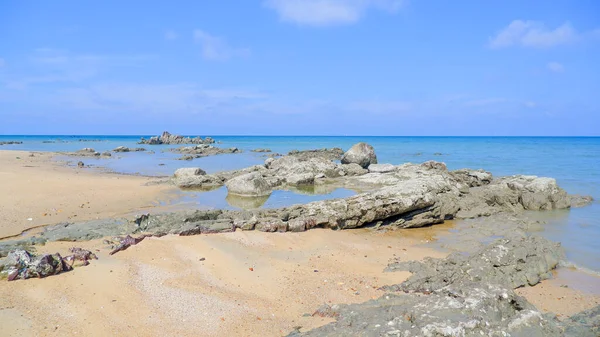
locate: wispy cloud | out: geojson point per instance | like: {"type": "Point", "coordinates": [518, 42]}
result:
{"type": "Point", "coordinates": [485, 102]}
{"type": "Point", "coordinates": [534, 34]}
{"type": "Point", "coordinates": [152, 98]}
{"type": "Point", "coordinates": [171, 35]}
{"type": "Point", "coordinates": [328, 12]}
{"type": "Point", "coordinates": [555, 67]}
{"type": "Point", "coordinates": [216, 48]}
{"type": "Point", "coordinates": [380, 106]}
{"type": "Point", "coordinates": [48, 65]}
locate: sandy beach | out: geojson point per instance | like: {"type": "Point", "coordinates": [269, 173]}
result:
{"type": "Point", "coordinates": [232, 284]}
{"type": "Point", "coordinates": [37, 191]}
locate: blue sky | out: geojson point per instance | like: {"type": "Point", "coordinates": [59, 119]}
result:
{"type": "Point", "coordinates": [300, 67]}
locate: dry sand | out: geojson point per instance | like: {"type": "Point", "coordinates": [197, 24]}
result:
{"type": "Point", "coordinates": [49, 192]}
{"type": "Point", "coordinates": [235, 284]}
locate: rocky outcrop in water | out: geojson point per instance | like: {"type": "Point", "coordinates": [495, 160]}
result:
{"type": "Point", "coordinates": [168, 139]}
{"type": "Point", "coordinates": [301, 168]}
{"type": "Point", "coordinates": [10, 143]}
{"type": "Point", "coordinates": [203, 150]}
{"type": "Point", "coordinates": [409, 196]}
{"type": "Point", "coordinates": [329, 154]}
{"type": "Point", "coordinates": [126, 149]}
{"type": "Point", "coordinates": [261, 150]}
{"type": "Point", "coordinates": [362, 154]}
{"type": "Point", "coordinates": [87, 152]}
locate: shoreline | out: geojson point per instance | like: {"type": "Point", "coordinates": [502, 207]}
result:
{"type": "Point", "coordinates": [171, 267]}
{"type": "Point", "coordinates": [40, 191]}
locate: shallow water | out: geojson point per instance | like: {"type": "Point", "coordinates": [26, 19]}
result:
{"type": "Point", "coordinates": [573, 161]}
{"type": "Point", "coordinates": [219, 199]}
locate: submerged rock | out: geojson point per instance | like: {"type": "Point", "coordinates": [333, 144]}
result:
{"type": "Point", "coordinates": [246, 203]}
{"type": "Point", "coordinates": [362, 154]}
{"type": "Point", "coordinates": [169, 139]}
{"type": "Point", "coordinates": [581, 200]}
{"type": "Point", "coordinates": [126, 149]}
{"type": "Point", "coordinates": [204, 150]}
{"type": "Point", "coordinates": [261, 150]}
{"type": "Point", "coordinates": [10, 143]}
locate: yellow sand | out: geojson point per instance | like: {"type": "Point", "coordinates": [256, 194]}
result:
{"type": "Point", "coordinates": [49, 192]}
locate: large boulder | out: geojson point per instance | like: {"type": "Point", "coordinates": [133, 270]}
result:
{"type": "Point", "coordinates": [362, 154]}
{"type": "Point", "coordinates": [249, 185]}
{"type": "Point", "coordinates": [195, 177]}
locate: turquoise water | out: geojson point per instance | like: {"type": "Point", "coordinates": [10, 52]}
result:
{"type": "Point", "coordinates": [573, 161]}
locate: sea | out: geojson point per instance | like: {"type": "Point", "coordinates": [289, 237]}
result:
{"type": "Point", "coordinates": [573, 161]}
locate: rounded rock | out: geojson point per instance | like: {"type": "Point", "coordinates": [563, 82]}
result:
{"type": "Point", "coordinates": [362, 154]}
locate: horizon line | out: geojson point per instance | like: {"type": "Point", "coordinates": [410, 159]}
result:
{"type": "Point", "coordinates": [262, 135]}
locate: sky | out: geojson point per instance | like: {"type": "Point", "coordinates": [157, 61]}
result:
{"type": "Point", "coordinates": [301, 67]}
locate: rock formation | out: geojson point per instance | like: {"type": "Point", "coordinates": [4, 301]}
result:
{"type": "Point", "coordinates": [20, 264]}
{"type": "Point", "coordinates": [168, 139]}
{"type": "Point", "coordinates": [463, 296]}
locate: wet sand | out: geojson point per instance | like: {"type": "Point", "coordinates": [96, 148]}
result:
{"type": "Point", "coordinates": [235, 284]}
{"type": "Point", "coordinates": [37, 191]}
{"type": "Point", "coordinates": [249, 284]}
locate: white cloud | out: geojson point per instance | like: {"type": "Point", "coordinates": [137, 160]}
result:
{"type": "Point", "coordinates": [555, 67]}
{"type": "Point", "coordinates": [215, 48]}
{"type": "Point", "coordinates": [328, 12]}
{"type": "Point", "coordinates": [533, 34]}
{"type": "Point", "coordinates": [171, 35]}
